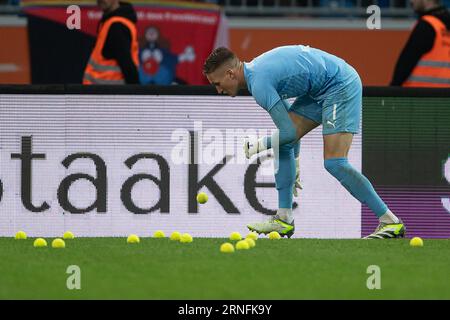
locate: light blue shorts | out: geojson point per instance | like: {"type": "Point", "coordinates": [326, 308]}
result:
{"type": "Point", "coordinates": [338, 112]}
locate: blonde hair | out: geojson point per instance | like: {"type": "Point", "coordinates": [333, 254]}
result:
{"type": "Point", "coordinates": [217, 58]}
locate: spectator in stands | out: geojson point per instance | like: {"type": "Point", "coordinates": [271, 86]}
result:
{"type": "Point", "coordinates": [425, 60]}
{"type": "Point", "coordinates": [114, 59]}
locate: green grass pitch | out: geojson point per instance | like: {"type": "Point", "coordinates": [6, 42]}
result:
{"type": "Point", "coordinates": [274, 269]}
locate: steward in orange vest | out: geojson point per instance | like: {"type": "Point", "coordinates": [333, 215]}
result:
{"type": "Point", "coordinates": [425, 60]}
{"type": "Point", "coordinates": [114, 59]}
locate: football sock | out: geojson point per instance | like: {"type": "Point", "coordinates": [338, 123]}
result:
{"type": "Point", "coordinates": [389, 217]}
{"type": "Point", "coordinates": [284, 163]}
{"type": "Point", "coordinates": [357, 184]}
{"type": "Point", "coordinates": [285, 214]}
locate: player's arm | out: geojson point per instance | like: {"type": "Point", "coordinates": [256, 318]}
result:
{"type": "Point", "coordinates": [285, 134]}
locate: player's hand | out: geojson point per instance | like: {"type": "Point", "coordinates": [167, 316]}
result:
{"type": "Point", "coordinates": [250, 146]}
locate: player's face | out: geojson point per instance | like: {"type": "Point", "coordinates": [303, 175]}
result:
{"type": "Point", "coordinates": [225, 81]}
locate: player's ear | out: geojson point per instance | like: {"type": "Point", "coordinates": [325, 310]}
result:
{"type": "Point", "coordinates": [231, 74]}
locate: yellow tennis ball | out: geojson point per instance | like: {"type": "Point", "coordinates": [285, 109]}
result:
{"type": "Point", "coordinates": [39, 243]}
{"type": "Point", "coordinates": [274, 235]}
{"type": "Point", "coordinates": [186, 238]}
{"type": "Point", "coordinates": [159, 234]}
{"type": "Point", "coordinates": [416, 242]}
{"type": "Point", "coordinates": [132, 238]}
{"type": "Point", "coordinates": [58, 243]}
{"type": "Point", "coordinates": [251, 242]}
{"type": "Point", "coordinates": [175, 236]}
{"type": "Point", "coordinates": [242, 245]}
{"type": "Point", "coordinates": [227, 248]}
{"type": "Point", "coordinates": [253, 236]}
{"type": "Point", "coordinates": [68, 235]}
{"type": "Point", "coordinates": [20, 235]}
{"type": "Point", "coordinates": [235, 236]}
{"type": "Point", "coordinates": [202, 197]}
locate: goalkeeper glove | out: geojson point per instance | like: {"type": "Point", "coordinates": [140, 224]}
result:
{"type": "Point", "coordinates": [253, 145]}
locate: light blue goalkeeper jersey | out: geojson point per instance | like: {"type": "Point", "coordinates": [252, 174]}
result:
{"type": "Point", "coordinates": [297, 71]}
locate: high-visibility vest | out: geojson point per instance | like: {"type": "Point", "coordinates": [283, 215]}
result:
{"type": "Point", "coordinates": [100, 70]}
{"type": "Point", "coordinates": [433, 68]}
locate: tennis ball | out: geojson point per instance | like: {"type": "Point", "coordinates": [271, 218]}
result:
{"type": "Point", "coordinates": [186, 238]}
{"type": "Point", "coordinates": [20, 235]}
{"type": "Point", "coordinates": [202, 197]}
{"type": "Point", "coordinates": [235, 236]}
{"type": "Point", "coordinates": [242, 245]}
{"type": "Point", "coordinates": [253, 236]}
{"type": "Point", "coordinates": [175, 236]}
{"type": "Point", "coordinates": [274, 235]}
{"type": "Point", "coordinates": [227, 248]}
{"type": "Point", "coordinates": [251, 242]}
{"type": "Point", "coordinates": [58, 243]}
{"type": "Point", "coordinates": [159, 234]}
{"type": "Point", "coordinates": [39, 243]}
{"type": "Point", "coordinates": [416, 242]}
{"type": "Point", "coordinates": [132, 238]}
{"type": "Point", "coordinates": [68, 235]}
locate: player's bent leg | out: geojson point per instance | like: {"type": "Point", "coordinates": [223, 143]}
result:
{"type": "Point", "coordinates": [283, 221]}
{"type": "Point", "coordinates": [285, 178]}
{"type": "Point", "coordinates": [336, 147]}
{"type": "Point", "coordinates": [303, 125]}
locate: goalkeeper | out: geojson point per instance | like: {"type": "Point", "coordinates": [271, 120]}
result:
{"type": "Point", "coordinates": [328, 92]}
